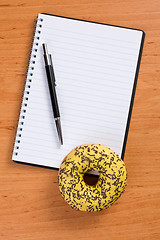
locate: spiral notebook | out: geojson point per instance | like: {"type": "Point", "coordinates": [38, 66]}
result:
{"type": "Point", "coordinates": [96, 68]}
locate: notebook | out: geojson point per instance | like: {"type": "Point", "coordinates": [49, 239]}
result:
{"type": "Point", "coordinates": [96, 68]}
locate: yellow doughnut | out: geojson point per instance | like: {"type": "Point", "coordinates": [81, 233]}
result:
{"type": "Point", "coordinates": [110, 185]}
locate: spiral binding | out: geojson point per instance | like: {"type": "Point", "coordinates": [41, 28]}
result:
{"type": "Point", "coordinates": [28, 81]}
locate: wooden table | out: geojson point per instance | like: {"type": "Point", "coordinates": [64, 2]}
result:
{"type": "Point", "coordinates": [31, 206]}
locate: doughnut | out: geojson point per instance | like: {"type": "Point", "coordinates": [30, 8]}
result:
{"type": "Point", "coordinates": [110, 185]}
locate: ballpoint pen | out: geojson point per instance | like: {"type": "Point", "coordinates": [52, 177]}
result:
{"type": "Point", "coordinates": [52, 90]}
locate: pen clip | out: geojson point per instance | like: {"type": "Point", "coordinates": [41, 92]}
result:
{"type": "Point", "coordinates": [50, 56]}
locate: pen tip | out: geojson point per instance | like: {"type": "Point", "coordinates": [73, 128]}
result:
{"type": "Point", "coordinates": [59, 131]}
{"type": "Point", "coordinates": [61, 141]}
{"type": "Point", "coordinates": [60, 138]}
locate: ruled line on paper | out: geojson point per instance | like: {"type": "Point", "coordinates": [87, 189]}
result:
{"type": "Point", "coordinates": [71, 133]}
{"type": "Point", "coordinates": [77, 33]}
{"type": "Point", "coordinates": [89, 47]}
{"type": "Point", "coordinates": [87, 112]}
{"type": "Point", "coordinates": [104, 99]}
{"type": "Point", "coordinates": [86, 117]}
{"type": "Point", "coordinates": [44, 151]}
{"type": "Point", "coordinates": [78, 97]}
{"type": "Point", "coordinates": [74, 128]}
{"type": "Point", "coordinates": [91, 71]}
{"type": "Point", "coordinates": [57, 51]}
{"type": "Point", "coordinates": [88, 41]}
{"type": "Point", "coordinates": [72, 81]}
{"type": "Point", "coordinates": [82, 84]}
{"type": "Point", "coordinates": [50, 122]}
{"type": "Point", "coordinates": [80, 103]}
{"type": "Point", "coordinates": [51, 143]}
{"type": "Point", "coordinates": [92, 65]}
{"type": "Point", "coordinates": [83, 75]}
{"type": "Point", "coordinates": [68, 124]}
{"type": "Point", "coordinates": [39, 156]}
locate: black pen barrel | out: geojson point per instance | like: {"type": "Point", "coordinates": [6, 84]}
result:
{"type": "Point", "coordinates": [52, 89]}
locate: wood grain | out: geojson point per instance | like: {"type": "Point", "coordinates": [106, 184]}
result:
{"type": "Point", "coordinates": [30, 203]}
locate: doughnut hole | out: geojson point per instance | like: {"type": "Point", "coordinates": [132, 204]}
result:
{"type": "Point", "coordinates": [90, 179]}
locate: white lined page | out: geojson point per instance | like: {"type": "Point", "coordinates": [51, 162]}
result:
{"type": "Point", "coordinates": [95, 67]}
